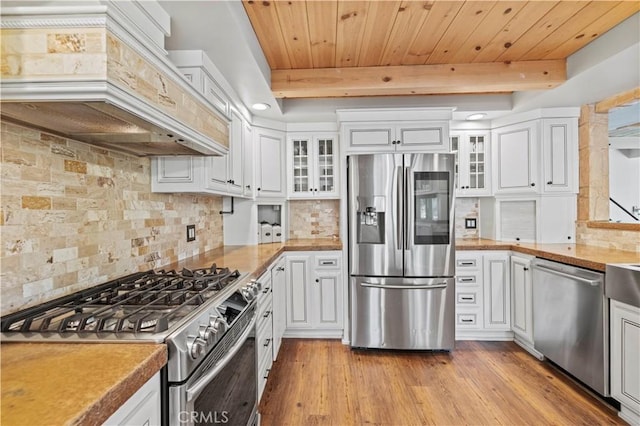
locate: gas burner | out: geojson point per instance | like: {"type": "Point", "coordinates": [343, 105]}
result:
{"type": "Point", "coordinates": [141, 322]}
{"type": "Point", "coordinates": [78, 322]}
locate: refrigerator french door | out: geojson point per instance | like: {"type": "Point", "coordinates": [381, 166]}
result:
{"type": "Point", "coordinates": [402, 250]}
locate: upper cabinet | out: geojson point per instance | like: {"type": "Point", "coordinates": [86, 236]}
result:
{"type": "Point", "coordinates": [270, 180]}
{"type": "Point", "coordinates": [395, 130]}
{"type": "Point", "coordinates": [225, 173]}
{"type": "Point", "coordinates": [473, 178]}
{"type": "Point", "coordinates": [312, 162]}
{"type": "Point", "coordinates": [537, 154]}
{"type": "Point", "coordinates": [515, 158]}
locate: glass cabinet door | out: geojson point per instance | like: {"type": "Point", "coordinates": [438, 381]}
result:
{"type": "Point", "coordinates": [477, 162]}
{"type": "Point", "coordinates": [326, 168]}
{"type": "Point", "coordinates": [301, 171]}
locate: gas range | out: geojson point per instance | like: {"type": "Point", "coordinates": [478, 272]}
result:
{"type": "Point", "coordinates": [189, 310]}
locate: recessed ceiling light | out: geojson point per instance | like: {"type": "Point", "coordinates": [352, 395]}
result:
{"type": "Point", "coordinates": [476, 116]}
{"type": "Point", "coordinates": [260, 106]}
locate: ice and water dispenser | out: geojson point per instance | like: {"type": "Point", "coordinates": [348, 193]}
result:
{"type": "Point", "coordinates": [370, 212]}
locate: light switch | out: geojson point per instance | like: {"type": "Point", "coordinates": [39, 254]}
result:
{"type": "Point", "coordinates": [191, 233]}
{"type": "Point", "coordinates": [470, 223]}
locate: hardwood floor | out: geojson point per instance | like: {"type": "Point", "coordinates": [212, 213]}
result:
{"type": "Point", "coordinates": [322, 382]}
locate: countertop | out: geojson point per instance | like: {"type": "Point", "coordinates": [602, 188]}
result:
{"type": "Point", "coordinates": [72, 383]}
{"type": "Point", "coordinates": [581, 255]}
{"type": "Point", "coordinates": [61, 383]}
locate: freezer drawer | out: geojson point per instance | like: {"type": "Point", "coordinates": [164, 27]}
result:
{"type": "Point", "coordinates": [403, 313]}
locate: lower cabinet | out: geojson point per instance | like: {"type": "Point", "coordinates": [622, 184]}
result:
{"type": "Point", "coordinates": [142, 408]}
{"type": "Point", "coordinates": [483, 301]}
{"type": "Point", "coordinates": [522, 299]}
{"type": "Point", "coordinates": [278, 284]}
{"type": "Point", "coordinates": [264, 332]}
{"type": "Point", "coordinates": [624, 323]}
{"type": "Point", "coordinates": [314, 294]}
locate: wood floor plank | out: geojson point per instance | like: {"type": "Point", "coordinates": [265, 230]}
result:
{"type": "Point", "coordinates": [322, 382]}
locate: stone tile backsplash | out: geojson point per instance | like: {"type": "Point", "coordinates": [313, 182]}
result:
{"type": "Point", "coordinates": [74, 215]}
{"type": "Point", "coordinates": [314, 218]}
{"type": "Point", "coordinates": [467, 208]}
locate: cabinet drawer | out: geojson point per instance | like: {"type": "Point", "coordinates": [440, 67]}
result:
{"type": "Point", "coordinates": [467, 320]}
{"type": "Point", "coordinates": [467, 263]}
{"type": "Point", "coordinates": [264, 341]}
{"type": "Point", "coordinates": [328, 262]}
{"type": "Point", "coordinates": [263, 374]}
{"type": "Point", "coordinates": [467, 298]}
{"type": "Point", "coordinates": [265, 312]}
{"type": "Point", "coordinates": [468, 279]}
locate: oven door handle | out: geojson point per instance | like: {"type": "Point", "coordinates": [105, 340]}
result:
{"type": "Point", "coordinates": [195, 390]}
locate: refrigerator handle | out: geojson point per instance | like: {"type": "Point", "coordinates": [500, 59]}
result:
{"type": "Point", "coordinates": [407, 213]}
{"type": "Point", "coordinates": [399, 209]}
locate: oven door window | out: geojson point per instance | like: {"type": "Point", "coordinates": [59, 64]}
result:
{"type": "Point", "coordinates": [231, 395]}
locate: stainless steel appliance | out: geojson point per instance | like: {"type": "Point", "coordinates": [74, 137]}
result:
{"type": "Point", "coordinates": [402, 250]}
{"type": "Point", "coordinates": [571, 321]}
{"type": "Point", "coordinates": [623, 283]}
{"type": "Point", "coordinates": [205, 316]}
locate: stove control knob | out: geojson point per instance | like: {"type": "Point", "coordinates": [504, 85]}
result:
{"type": "Point", "coordinates": [208, 334]}
{"type": "Point", "coordinates": [196, 347]}
{"type": "Point", "coordinates": [247, 293]}
{"type": "Point", "coordinates": [217, 324]}
{"type": "Point", "coordinates": [256, 287]}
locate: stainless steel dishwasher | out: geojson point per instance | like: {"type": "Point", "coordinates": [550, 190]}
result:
{"type": "Point", "coordinates": [571, 321]}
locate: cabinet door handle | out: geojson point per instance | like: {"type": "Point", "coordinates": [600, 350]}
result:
{"type": "Point", "coordinates": [466, 263]}
{"type": "Point", "coordinates": [266, 315]}
{"type": "Point", "coordinates": [466, 320]}
{"type": "Point", "coordinates": [466, 298]}
{"type": "Point", "coordinates": [525, 269]}
{"type": "Point", "coordinates": [281, 268]}
{"type": "Point", "coordinates": [466, 280]}
{"type": "Point", "coordinates": [550, 182]}
{"type": "Point", "coordinates": [266, 343]}
{"type": "Point", "coordinates": [248, 186]}
{"type": "Point", "coordinates": [268, 370]}
{"type": "Point", "coordinates": [266, 290]}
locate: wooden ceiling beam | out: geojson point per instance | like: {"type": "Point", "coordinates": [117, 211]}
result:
{"type": "Point", "coordinates": [418, 79]}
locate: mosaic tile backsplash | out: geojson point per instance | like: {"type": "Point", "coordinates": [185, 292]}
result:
{"type": "Point", "coordinates": [74, 215]}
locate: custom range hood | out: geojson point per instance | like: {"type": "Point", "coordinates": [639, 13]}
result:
{"type": "Point", "coordinates": [80, 73]}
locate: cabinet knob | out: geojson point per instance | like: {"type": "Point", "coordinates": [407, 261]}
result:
{"type": "Point", "coordinates": [533, 184]}
{"type": "Point", "coordinates": [550, 182]}
{"type": "Point", "coordinates": [248, 186]}
{"type": "Point", "coordinates": [317, 280]}
{"type": "Point", "coordinates": [569, 237]}
{"type": "Point", "coordinates": [525, 269]}
{"type": "Point", "coordinates": [393, 142]}
{"type": "Point", "coordinates": [517, 238]}
{"type": "Point", "coordinates": [258, 189]}
{"type": "Point", "coordinates": [315, 189]}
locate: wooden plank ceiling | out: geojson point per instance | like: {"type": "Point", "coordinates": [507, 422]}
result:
{"type": "Point", "coordinates": [334, 48]}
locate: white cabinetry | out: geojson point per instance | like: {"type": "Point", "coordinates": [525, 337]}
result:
{"type": "Point", "coordinates": [313, 165]}
{"type": "Point", "coordinates": [496, 291]}
{"type": "Point", "coordinates": [225, 174]}
{"type": "Point", "coordinates": [560, 155]}
{"type": "Point", "coordinates": [515, 159]}
{"type": "Point", "coordinates": [142, 408]}
{"type": "Point", "coordinates": [270, 180]}
{"type": "Point", "coordinates": [264, 332]}
{"type": "Point", "coordinates": [428, 136]}
{"type": "Point", "coordinates": [483, 303]}
{"type": "Point", "coordinates": [278, 287]}
{"type": "Point", "coordinates": [395, 130]}
{"type": "Point", "coordinates": [542, 219]}
{"type": "Point", "coordinates": [473, 177]}
{"type": "Point", "coordinates": [625, 351]}
{"type": "Point", "coordinates": [536, 152]}
{"type": "Point", "coordinates": [249, 161]}
{"type": "Point", "coordinates": [314, 294]}
{"type": "Point", "coordinates": [522, 299]}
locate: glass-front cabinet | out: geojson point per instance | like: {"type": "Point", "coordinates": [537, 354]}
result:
{"type": "Point", "coordinates": [313, 171]}
{"type": "Point", "coordinates": [472, 162]}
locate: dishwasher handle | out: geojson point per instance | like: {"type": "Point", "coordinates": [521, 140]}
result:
{"type": "Point", "coordinates": [593, 283]}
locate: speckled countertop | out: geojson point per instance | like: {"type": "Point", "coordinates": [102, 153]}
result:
{"type": "Point", "coordinates": [72, 383]}
{"type": "Point", "coordinates": [60, 383]}
{"type": "Point", "coordinates": [585, 256]}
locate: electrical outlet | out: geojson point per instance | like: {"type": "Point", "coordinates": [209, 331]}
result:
{"type": "Point", "coordinates": [470, 223]}
{"type": "Point", "coordinates": [191, 233]}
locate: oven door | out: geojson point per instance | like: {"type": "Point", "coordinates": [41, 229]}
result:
{"type": "Point", "coordinates": [222, 391]}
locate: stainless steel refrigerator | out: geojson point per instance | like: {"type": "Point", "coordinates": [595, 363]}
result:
{"type": "Point", "coordinates": [402, 251]}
